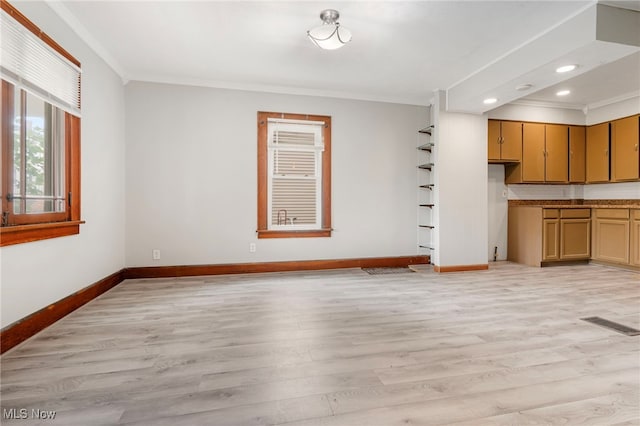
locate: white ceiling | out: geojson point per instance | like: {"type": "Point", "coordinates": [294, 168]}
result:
{"type": "Point", "coordinates": [400, 52]}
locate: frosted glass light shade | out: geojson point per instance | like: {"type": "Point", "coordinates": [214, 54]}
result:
{"type": "Point", "coordinates": [329, 36]}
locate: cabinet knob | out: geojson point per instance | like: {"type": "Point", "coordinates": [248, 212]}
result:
{"type": "Point", "coordinates": [636, 147]}
{"type": "Point", "coordinates": [606, 152]}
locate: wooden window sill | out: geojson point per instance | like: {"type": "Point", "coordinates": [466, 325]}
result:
{"type": "Point", "coordinates": [266, 233]}
{"type": "Point", "coordinates": [19, 234]}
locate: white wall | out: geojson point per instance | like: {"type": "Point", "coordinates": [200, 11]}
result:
{"type": "Point", "coordinates": [518, 112]}
{"type": "Point", "coordinates": [191, 176]}
{"type": "Point", "coordinates": [37, 274]}
{"type": "Point", "coordinates": [497, 212]}
{"type": "Point", "coordinates": [612, 111]}
{"type": "Point", "coordinates": [460, 193]}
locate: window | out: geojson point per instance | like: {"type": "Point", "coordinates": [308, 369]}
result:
{"type": "Point", "coordinates": [40, 127]}
{"type": "Point", "coordinates": [294, 175]}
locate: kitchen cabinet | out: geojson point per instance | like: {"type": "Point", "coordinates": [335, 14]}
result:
{"type": "Point", "coordinates": [556, 153]}
{"type": "Point", "coordinates": [625, 156]}
{"type": "Point", "coordinates": [598, 153]}
{"type": "Point", "coordinates": [537, 235]}
{"type": "Point", "coordinates": [550, 234]}
{"type": "Point", "coordinates": [533, 152]}
{"type": "Point", "coordinates": [635, 237]}
{"type": "Point", "coordinates": [504, 142]}
{"type": "Point", "coordinates": [611, 235]}
{"type": "Point", "coordinates": [545, 155]}
{"type": "Point", "coordinates": [575, 234]}
{"type": "Point", "coordinates": [577, 154]}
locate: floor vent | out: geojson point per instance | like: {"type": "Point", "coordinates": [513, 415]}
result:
{"type": "Point", "coordinates": [384, 271]}
{"type": "Point", "coordinates": [613, 326]}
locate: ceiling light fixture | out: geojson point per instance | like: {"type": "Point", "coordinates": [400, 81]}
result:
{"type": "Point", "coordinates": [330, 35]}
{"type": "Point", "coordinates": [563, 92]}
{"type": "Point", "coordinates": [523, 87]}
{"type": "Point", "coordinates": [566, 68]}
{"type": "Point", "coordinates": [490, 101]}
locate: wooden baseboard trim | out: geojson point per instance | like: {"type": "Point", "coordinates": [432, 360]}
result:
{"type": "Point", "coordinates": [21, 330]}
{"type": "Point", "coordinates": [248, 268]}
{"type": "Point", "coordinates": [461, 268]}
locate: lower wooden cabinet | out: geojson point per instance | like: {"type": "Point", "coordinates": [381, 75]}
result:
{"type": "Point", "coordinates": [635, 237]}
{"type": "Point", "coordinates": [575, 234]}
{"type": "Point", "coordinates": [611, 236]}
{"type": "Point", "coordinates": [538, 235]}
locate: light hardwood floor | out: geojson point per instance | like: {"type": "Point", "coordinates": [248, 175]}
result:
{"type": "Point", "coordinates": [499, 347]}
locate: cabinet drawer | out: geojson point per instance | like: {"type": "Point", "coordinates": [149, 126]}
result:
{"type": "Point", "coordinates": [612, 213]}
{"type": "Point", "coordinates": [575, 213]}
{"type": "Point", "coordinates": [636, 214]}
{"type": "Point", "coordinates": [550, 213]}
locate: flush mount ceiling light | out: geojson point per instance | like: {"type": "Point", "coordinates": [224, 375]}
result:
{"type": "Point", "coordinates": [490, 101]}
{"type": "Point", "coordinates": [330, 35]}
{"type": "Point", "coordinates": [563, 92]}
{"type": "Point", "coordinates": [523, 87]}
{"type": "Point", "coordinates": [566, 68]}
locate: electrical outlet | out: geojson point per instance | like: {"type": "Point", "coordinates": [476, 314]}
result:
{"type": "Point", "coordinates": [155, 254]}
{"type": "Point", "coordinates": [252, 247]}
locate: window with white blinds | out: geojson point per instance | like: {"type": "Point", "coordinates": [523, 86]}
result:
{"type": "Point", "coordinates": [31, 64]}
{"type": "Point", "coordinates": [294, 174]}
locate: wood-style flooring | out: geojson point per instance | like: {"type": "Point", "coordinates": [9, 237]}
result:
{"type": "Point", "coordinates": [499, 347]}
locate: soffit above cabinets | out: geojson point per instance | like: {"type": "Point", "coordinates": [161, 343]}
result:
{"type": "Point", "coordinates": [401, 51]}
{"type": "Point", "coordinates": [597, 36]}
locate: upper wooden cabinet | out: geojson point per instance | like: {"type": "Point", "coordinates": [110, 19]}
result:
{"type": "Point", "coordinates": [598, 153]}
{"type": "Point", "coordinates": [556, 153]}
{"type": "Point", "coordinates": [504, 142]}
{"type": "Point", "coordinates": [625, 156]}
{"type": "Point", "coordinates": [545, 155]}
{"type": "Point", "coordinates": [533, 152]}
{"type": "Point", "coordinates": [577, 154]}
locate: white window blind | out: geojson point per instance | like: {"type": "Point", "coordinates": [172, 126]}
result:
{"type": "Point", "coordinates": [294, 187]}
{"type": "Point", "coordinates": [31, 64]}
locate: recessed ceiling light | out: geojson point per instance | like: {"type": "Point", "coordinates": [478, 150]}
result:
{"type": "Point", "coordinates": [566, 68]}
{"type": "Point", "coordinates": [563, 92]}
{"type": "Point", "coordinates": [524, 87]}
{"type": "Point", "coordinates": [490, 101]}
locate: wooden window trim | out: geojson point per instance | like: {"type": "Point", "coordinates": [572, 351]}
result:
{"type": "Point", "coordinates": [263, 231]}
{"type": "Point", "coordinates": [48, 225]}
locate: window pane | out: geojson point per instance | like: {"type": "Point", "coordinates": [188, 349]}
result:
{"type": "Point", "coordinates": [17, 152]}
{"type": "Point", "coordinates": [299, 163]}
{"type": "Point", "coordinates": [39, 167]}
{"type": "Point", "coordinates": [293, 201]}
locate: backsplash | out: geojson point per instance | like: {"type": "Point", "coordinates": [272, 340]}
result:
{"type": "Point", "coordinates": [604, 191]}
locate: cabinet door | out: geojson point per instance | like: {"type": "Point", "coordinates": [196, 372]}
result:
{"type": "Point", "coordinates": [577, 154]}
{"type": "Point", "coordinates": [575, 239]}
{"type": "Point", "coordinates": [493, 140]}
{"type": "Point", "coordinates": [635, 237]}
{"type": "Point", "coordinates": [625, 157]}
{"type": "Point", "coordinates": [611, 240]}
{"type": "Point", "coordinates": [598, 153]}
{"type": "Point", "coordinates": [550, 239]}
{"type": "Point", "coordinates": [533, 152]}
{"type": "Point", "coordinates": [556, 153]}
{"type": "Point", "coordinates": [511, 141]}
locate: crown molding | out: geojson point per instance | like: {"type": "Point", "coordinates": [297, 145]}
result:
{"type": "Point", "coordinates": [547, 104]}
{"type": "Point", "coordinates": [614, 100]}
{"type": "Point", "coordinates": [85, 35]}
{"type": "Point", "coordinates": [418, 100]}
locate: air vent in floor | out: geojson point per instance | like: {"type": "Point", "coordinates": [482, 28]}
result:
{"type": "Point", "coordinates": [383, 271]}
{"type": "Point", "coordinates": [620, 328]}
